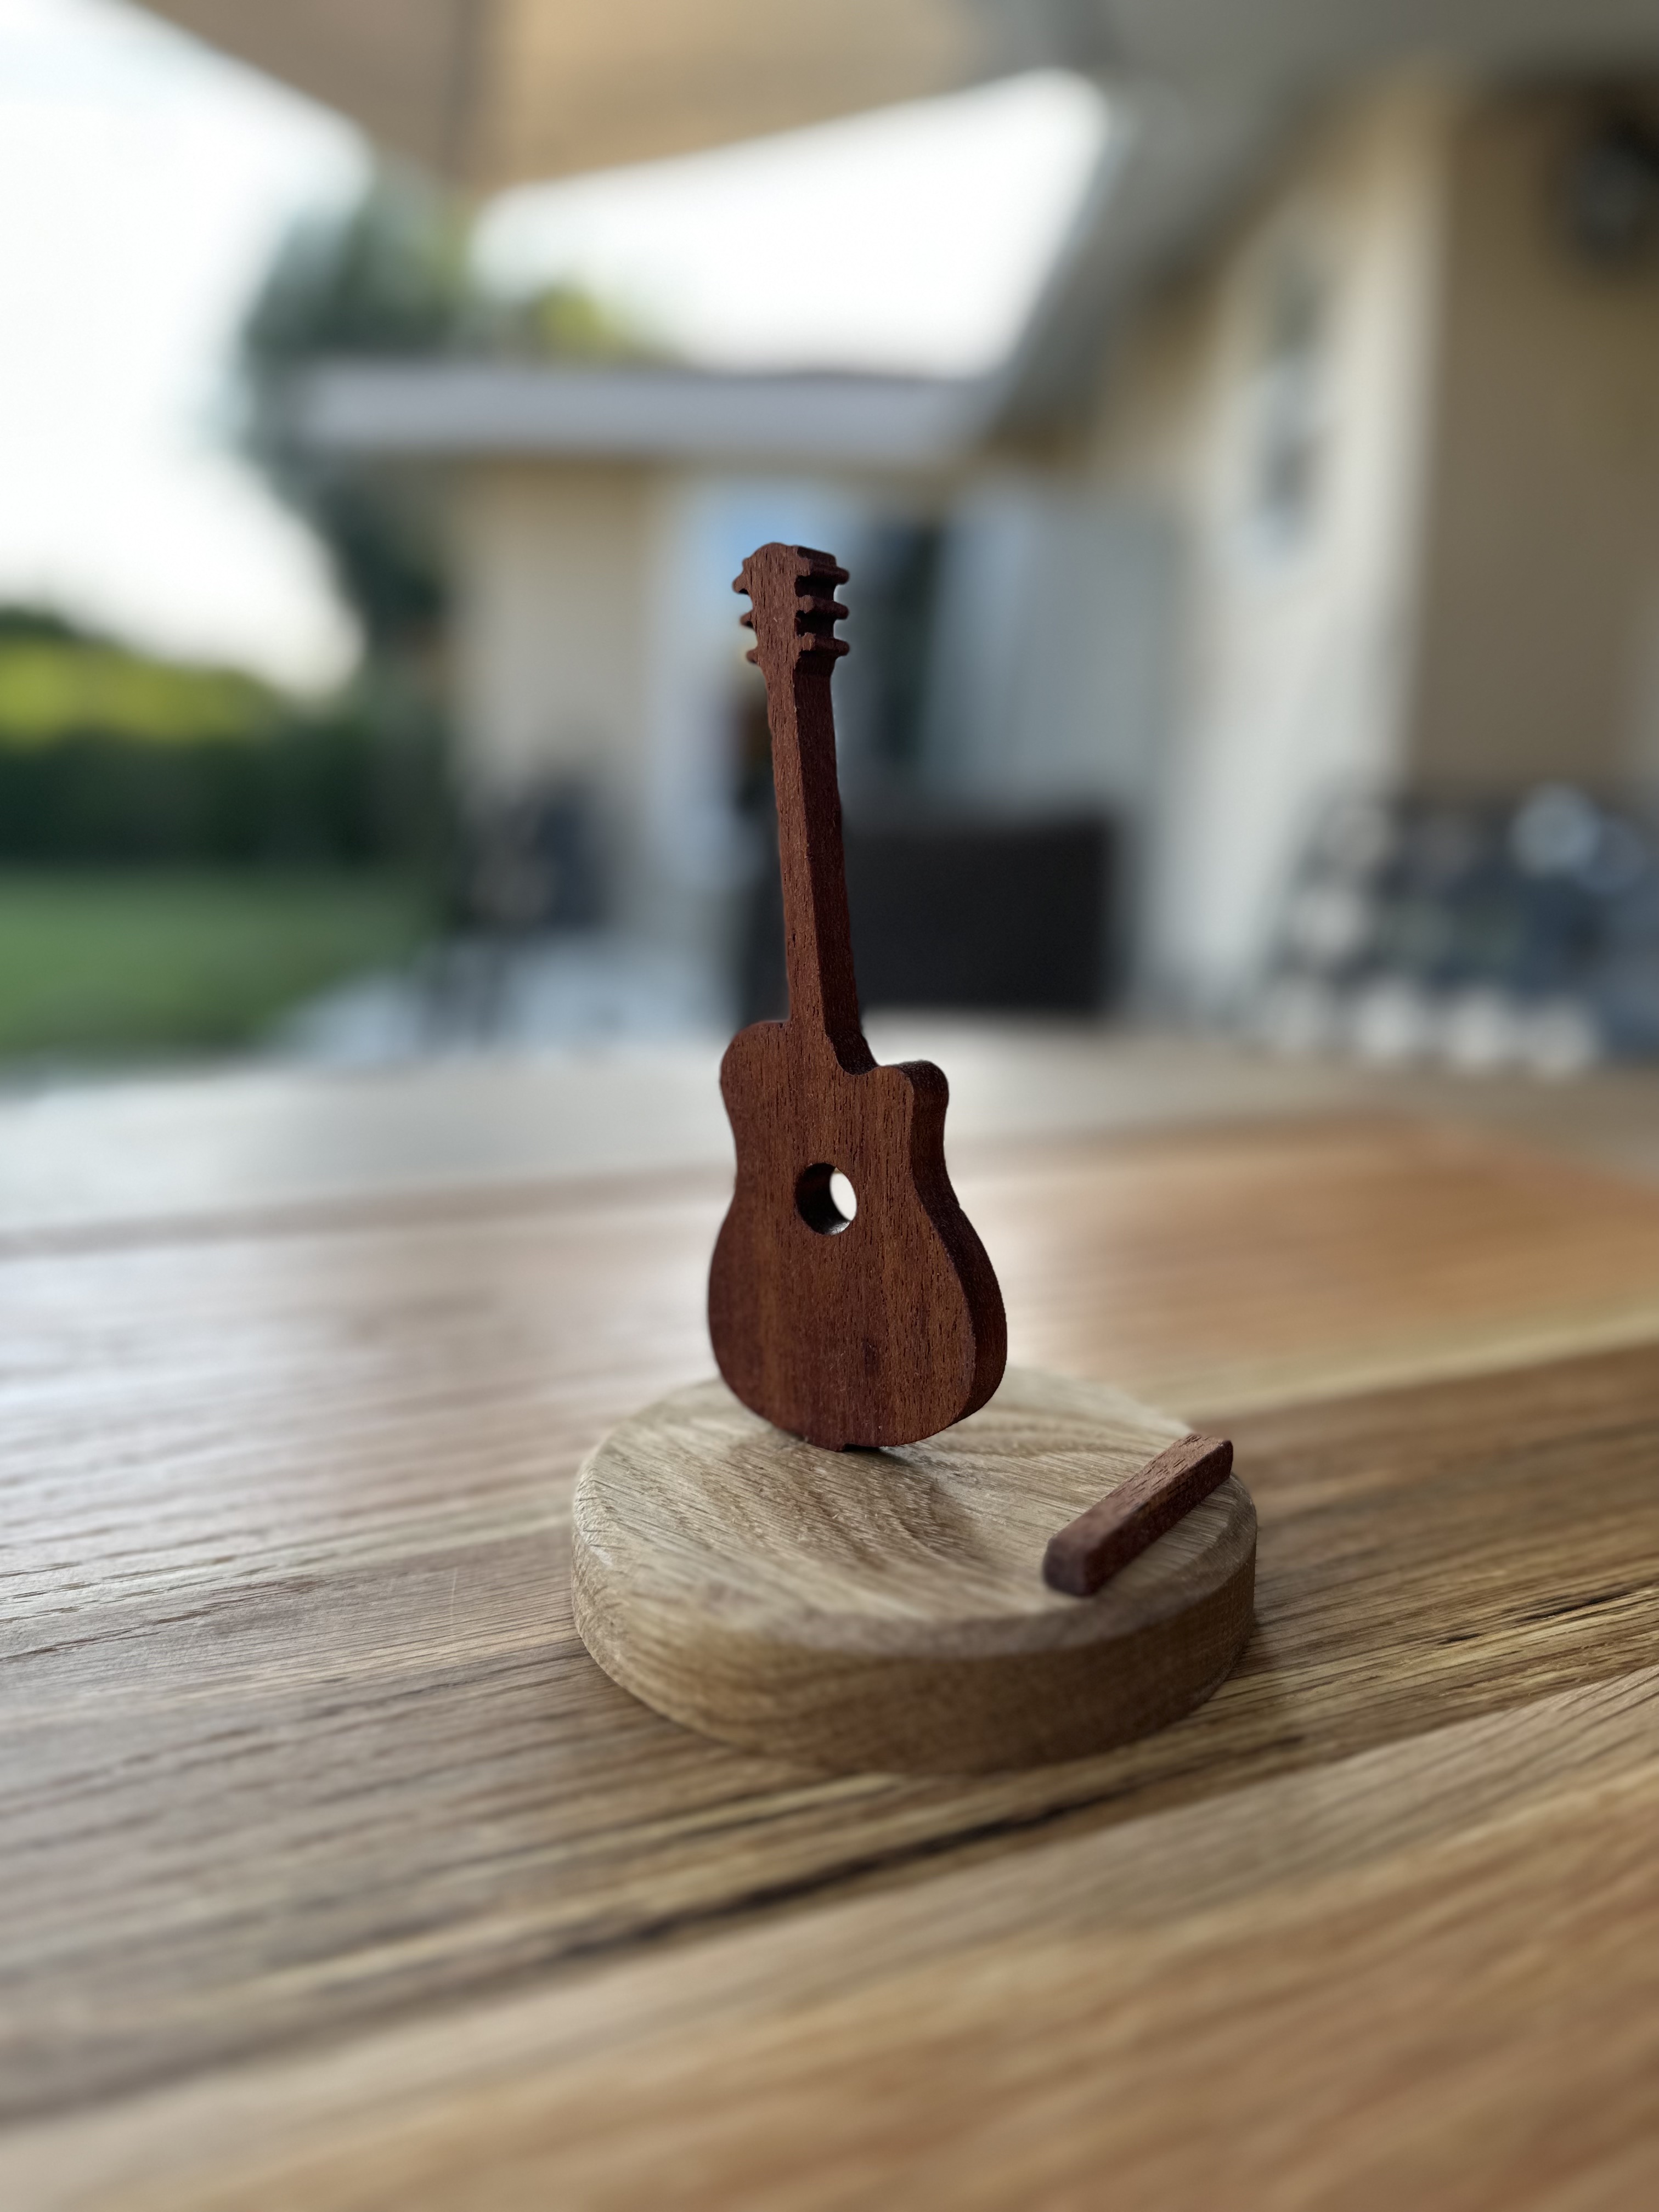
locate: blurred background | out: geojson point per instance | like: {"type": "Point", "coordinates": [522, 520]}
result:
{"type": "Point", "coordinates": [1240, 419]}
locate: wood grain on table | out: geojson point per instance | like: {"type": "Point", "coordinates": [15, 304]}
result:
{"type": "Point", "coordinates": [334, 1872]}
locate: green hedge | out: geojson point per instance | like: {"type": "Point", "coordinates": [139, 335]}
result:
{"type": "Point", "coordinates": [341, 791]}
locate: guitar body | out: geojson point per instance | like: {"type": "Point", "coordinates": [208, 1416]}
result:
{"type": "Point", "coordinates": [882, 1330]}
{"type": "Point", "coordinates": [887, 1327]}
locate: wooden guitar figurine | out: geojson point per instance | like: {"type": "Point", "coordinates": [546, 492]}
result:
{"type": "Point", "coordinates": [952, 1611]}
{"type": "Point", "coordinates": [885, 1327]}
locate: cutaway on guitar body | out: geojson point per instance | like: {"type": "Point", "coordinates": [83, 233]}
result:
{"type": "Point", "coordinates": [884, 1327]}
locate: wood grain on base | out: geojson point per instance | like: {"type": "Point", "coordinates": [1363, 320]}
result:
{"type": "Point", "coordinates": [886, 1611]}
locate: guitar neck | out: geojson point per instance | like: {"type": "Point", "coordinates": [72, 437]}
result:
{"type": "Point", "coordinates": [793, 612]}
{"type": "Point", "coordinates": [818, 933]}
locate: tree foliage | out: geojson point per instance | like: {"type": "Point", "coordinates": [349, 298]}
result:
{"type": "Point", "coordinates": [388, 277]}
{"type": "Point", "coordinates": [391, 277]}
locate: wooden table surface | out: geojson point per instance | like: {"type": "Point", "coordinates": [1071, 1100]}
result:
{"type": "Point", "coordinates": [333, 1873]}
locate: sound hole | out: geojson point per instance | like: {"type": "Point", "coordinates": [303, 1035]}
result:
{"type": "Point", "coordinates": [825, 1200]}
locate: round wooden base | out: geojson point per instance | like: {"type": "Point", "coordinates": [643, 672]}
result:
{"type": "Point", "coordinates": [886, 1609]}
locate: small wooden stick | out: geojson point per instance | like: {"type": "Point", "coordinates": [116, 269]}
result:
{"type": "Point", "coordinates": [1089, 1551]}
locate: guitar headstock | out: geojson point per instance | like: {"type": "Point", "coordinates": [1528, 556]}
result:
{"type": "Point", "coordinates": [793, 608]}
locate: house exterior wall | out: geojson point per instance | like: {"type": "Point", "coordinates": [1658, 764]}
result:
{"type": "Point", "coordinates": [1371, 498]}
{"type": "Point", "coordinates": [1541, 555]}
{"type": "Point", "coordinates": [1048, 695]}
{"type": "Point", "coordinates": [1276, 402]}
{"type": "Point", "coordinates": [1048, 658]}
{"type": "Point", "coordinates": [551, 638]}
{"type": "Point", "coordinates": [597, 647]}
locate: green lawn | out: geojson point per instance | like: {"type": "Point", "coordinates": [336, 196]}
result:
{"type": "Point", "coordinates": [104, 963]}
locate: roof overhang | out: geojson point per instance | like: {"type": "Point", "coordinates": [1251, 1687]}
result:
{"type": "Point", "coordinates": [472, 411]}
{"type": "Point", "coordinates": [491, 93]}
{"type": "Point", "coordinates": [495, 92]}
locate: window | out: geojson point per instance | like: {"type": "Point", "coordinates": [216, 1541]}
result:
{"type": "Point", "coordinates": [1287, 413]}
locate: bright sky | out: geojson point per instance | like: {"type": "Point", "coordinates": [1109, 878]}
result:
{"type": "Point", "coordinates": [143, 186]}
{"type": "Point", "coordinates": [940, 222]}
{"type": "Point", "coordinates": [144, 183]}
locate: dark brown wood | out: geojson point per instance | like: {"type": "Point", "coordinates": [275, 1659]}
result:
{"type": "Point", "coordinates": [1088, 1551]}
{"type": "Point", "coordinates": [888, 1327]}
